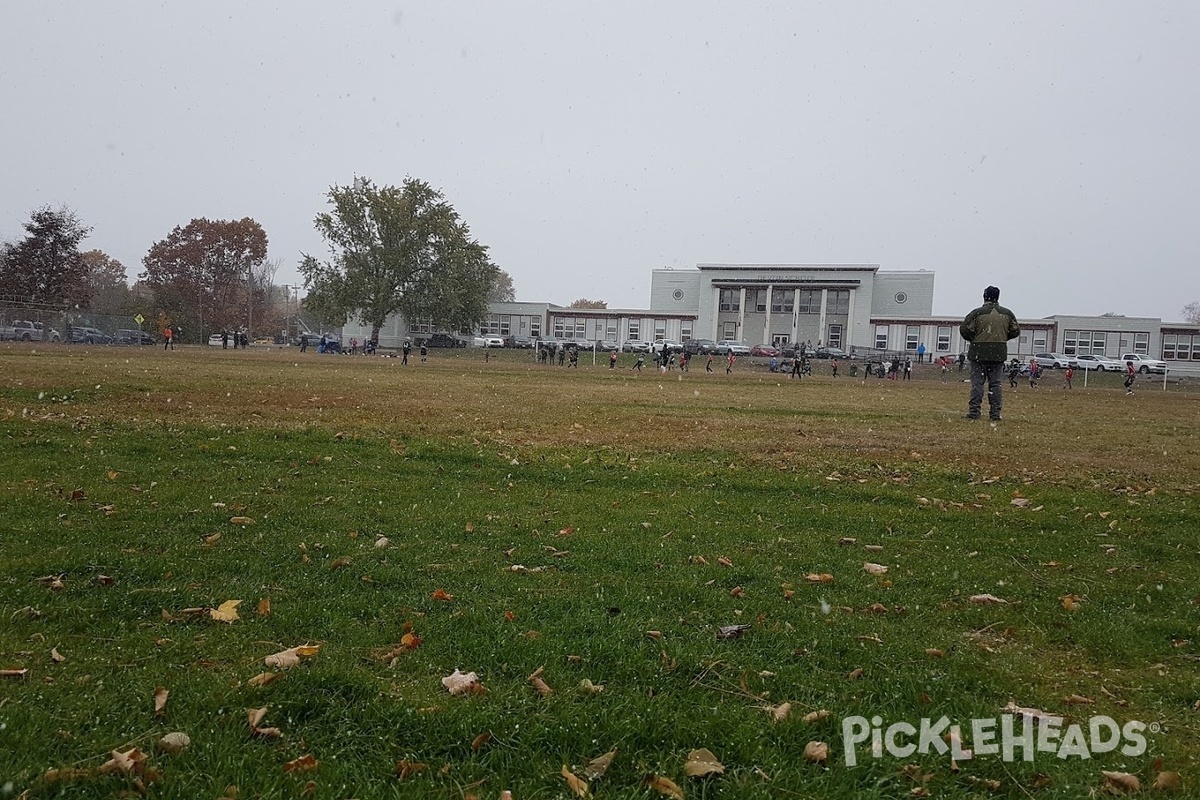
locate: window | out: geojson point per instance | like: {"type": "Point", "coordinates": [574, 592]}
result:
{"type": "Point", "coordinates": [505, 322]}
{"type": "Point", "coordinates": [1070, 339]}
{"type": "Point", "coordinates": [422, 326]}
{"type": "Point", "coordinates": [838, 301]}
{"type": "Point", "coordinates": [756, 299]}
{"type": "Point", "coordinates": [809, 301]}
{"type": "Point", "coordinates": [610, 329]}
{"type": "Point", "coordinates": [943, 340]}
{"type": "Point", "coordinates": [535, 328]}
{"type": "Point", "coordinates": [912, 336]}
{"type": "Point", "coordinates": [834, 339]}
{"type": "Point", "coordinates": [730, 300]}
{"type": "Point", "coordinates": [1039, 341]}
{"type": "Point", "coordinates": [783, 301]}
{"type": "Point", "coordinates": [660, 330]}
{"type": "Point", "coordinates": [1141, 343]}
{"type": "Point", "coordinates": [491, 326]}
{"type": "Point", "coordinates": [685, 330]}
{"type": "Point", "coordinates": [728, 331]}
{"type": "Point", "coordinates": [881, 337]}
{"type": "Point", "coordinates": [580, 327]}
{"type": "Point", "coordinates": [1196, 348]}
{"type": "Point", "coordinates": [559, 327]}
{"type": "Point", "coordinates": [1099, 342]}
{"type": "Point", "coordinates": [635, 329]}
{"type": "Point", "coordinates": [1169, 340]}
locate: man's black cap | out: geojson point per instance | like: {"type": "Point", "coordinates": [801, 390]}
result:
{"type": "Point", "coordinates": [991, 294]}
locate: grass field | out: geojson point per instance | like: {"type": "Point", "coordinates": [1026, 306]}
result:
{"type": "Point", "coordinates": [555, 531]}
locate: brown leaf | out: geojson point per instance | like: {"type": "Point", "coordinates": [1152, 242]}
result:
{"type": "Point", "coordinates": [1071, 601]}
{"type": "Point", "coordinates": [174, 743]}
{"type": "Point", "coordinates": [285, 659]}
{"type": "Point", "coordinates": [160, 700]}
{"type": "Point", "coordinates": [846, 541]}
{"type": "Point", "coordinates": [305, 763]}
{"type": "Point", "coordinates": [599, 765]}
{"type": "Point", "coordinates": [737, 591]}
{"type": "Point", "coordinates": [664, 786]}
{"type": "Point", "coordinates": [780, 712]}
{"type": "Point", "coordinates": [78, 495]}
{"type": "Point", "coordinates": [816, 752]}
{"type": "Point", "coordinates": [732, 631]}
{"type": "Point", "coordinates": [574, 782]}
{"type": "Point", "coordinates": [874, 569]}
{"type": "Point", "coordinates": [462, 683]}
{"type": "Point", "coordinates": [405, 769]}
{"type": "Point", "coordinates": [241, 521]}
{"type": "Point", "coordinates": [654, 634]}
{"type": "Point", "coordinates": [264, 607]}
{"type": "Point", "coordinates": [1120, 782]}
{"type": "Point", "coordinates": [724, 562]}
{"type": "Point", "coordinates": [822, 577]}
{"type": "Point", "coordinates": [14, 673]}
{"type": "Point", "coordinates": [56, 656]}
{"type": "Point", "coordinates": [536, 681]}
{"type": "Point", "coordinates": [1078, 700]}
{"type": "Point", "coordinates": [128, 762]}
{"type": "Point", "coordinates": [1020, 502]}
{"type": "Point", "coordinates": [702, 762]}
{"type": "Point", "coordinates": [1167, 782]}
{"type": "Point", "coordinates": [856, 674]}
{"type": "Point", "coordinates": [264, 678]}
{"type": "Point", "coordinates": [480, 740]}
{"type": "Point", "coordinates": [987, 600]}
{"type": "Point", "coordinates": [933, 652]}
{"type": "Point", "coordinates": [566, 531]}
{"type": "Point", "coordinates": [442, 594]}
{"type": "Point", "coordinates": [105, 580]}
{"type": "Point", "coordinates": [227, 612]}
{"type": "Point", "coordinates": [816, 716]}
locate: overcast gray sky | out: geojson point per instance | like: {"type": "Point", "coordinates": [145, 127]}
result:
{"type": "Point", "coordinates": [1047, 147]}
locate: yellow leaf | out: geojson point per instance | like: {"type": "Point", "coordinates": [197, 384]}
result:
{"type": "Point", "coordinates": [574, 782]}
{"type": "Point", "coordinates": [816, 752]}
{"type": "Point", "coordinates": [227, 612]}
{"type": "Point", "coordinates": [701, 763]}
{"type": "Point", "coordinates": [599, 765]}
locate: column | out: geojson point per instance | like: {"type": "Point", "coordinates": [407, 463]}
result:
{"type": "Point", "coordinates": [821, 318]}
{"type": "Point", "coordinates": [741, 314]}
{"type": "Point", "coordinates": [766, 337]}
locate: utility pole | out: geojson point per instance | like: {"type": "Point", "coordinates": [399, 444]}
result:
{"type": "Point", "coordinates": [287, 313]}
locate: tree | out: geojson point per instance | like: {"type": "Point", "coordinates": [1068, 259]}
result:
{"type": "Point", "coordinates": [1191, 312]}
{"type": "Point", "coordinates": [502, 289]}
{"type": "Point", "coordinates": [201, 271]}
{"type": "Point", "coordinates": [397, 250]}
{"type": "Point", "coordinates": [583, 302]}
{"type": "Point", "coordinates": [46, 266]}
{"type": "Point", "coordinates": [104, 282]}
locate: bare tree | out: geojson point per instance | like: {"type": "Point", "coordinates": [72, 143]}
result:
{"type": "Point", "coordinates": [1191, 312]}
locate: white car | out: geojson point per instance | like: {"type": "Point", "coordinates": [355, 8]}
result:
{"type": "Point", "coordinates": [487, 341]}
{"type": "Point", "coordinates": [1144, 364]}
{"type": "Point", "coordinates": [1099, 363]}
{"type": "Point", "coordinates": [727, 346]}
{"type": "Point", "coordinates": [1054, 360]}
{"type": "Point", "coordinates": [215, 340]}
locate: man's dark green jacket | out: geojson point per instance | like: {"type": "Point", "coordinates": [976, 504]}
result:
{"type": "Point", "coordinates": [988, 329]}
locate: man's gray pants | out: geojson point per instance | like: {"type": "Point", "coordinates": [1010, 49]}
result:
{"type": "Point", "coordinates": [990, 372]}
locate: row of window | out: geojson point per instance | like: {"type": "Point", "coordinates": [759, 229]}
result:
{"type": "Point", "coordinates": [786, 301]}
{"type": "Point", "coordinates": [576, 328]}
{"type": "Point", "coordinates": [1181, 347]}
{"type": "Point", "coordinates": [912, 338]}
{"type": "Point", "coordinates": [1083, 343]}
{"type": "Point", "coordinates": [502, 325]}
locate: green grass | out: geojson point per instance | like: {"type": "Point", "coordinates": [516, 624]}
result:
{"type": "Point", "coordinates": [125, 464]}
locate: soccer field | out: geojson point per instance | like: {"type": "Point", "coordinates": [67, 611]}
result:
{"type": "Point", "coordinates": [284, 557]}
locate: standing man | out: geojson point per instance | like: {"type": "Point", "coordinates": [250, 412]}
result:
{"type": "Point", "coordinates": [921, 353]}
{"type": "Point", "coordinates": [988, 329]}
{"type": "Point", "coordinates": [168, 338]}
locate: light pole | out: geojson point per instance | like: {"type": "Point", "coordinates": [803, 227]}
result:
{"type": "Point", "coordinates": [287, 313]}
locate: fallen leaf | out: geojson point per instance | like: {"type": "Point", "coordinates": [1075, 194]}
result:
{"type": "Point", "coordinates": [1119, 782]}
{"type": "Point", "coordinates": [732, 631]}
{"type": "Point", "coordinates": [846, 541]}
{"type": "Point", "coordinates": [654, 634]}
{"type": "Point", "coordinates": [664, 786]}
{"type": "Point", "coordinates": [264, 678]}
{"type": "Point", "coordinates": [566, 531]}
{"type": "Point", "coordinates": [174, 743]}
{"type": "Point", "coordinates": [1071, 601]}
{"type": "Point", "coordinates": [305, 763]}
{"type": "Point", "coordinates": [724, 562]}
{"type": "Point", "coordinates": [1020, 502]}
{"type": "Point", "coordinates": [933, 652]}
{"type": "Point", "coordinates": [856, 674]}
{"type": "Point", "coordinates": [442, 594]}
{"type": "Point", "coordinates": [285, 659]}
{"type": "Point", "coordinates": [227, 612]}
{"type": "Point", "coordinates": [599, 765]}
{"type": "Point", "coordinates": [587, 687]}
{"type": "Point", "coordinates": [480, 740]}
{"type": "Point", "coordinates": [405, 769]}
{"type": "Point", "coordinates": [737, 591]}
{"type": "Point", "coordinates": [1167, 782]}
{"type": "Point", "coordinates": [459, 683]}
{"type": "Point", "coordinates": [56, 656]}
{"type": "Point", "coordinates": [574, 782]}
{"type": "Point", "coordinates": [536, 680]}
{"type": "Point", "coordinates": [129, 762]}
{"type": "Point", "coordinates": [874, 569]}
{"type": "Point", "coordinates": [822, 577]}
{"type": "Point", "coordinates": [816, 752]}
{"type": "Point", "coordinates": [160, 700]}
{"type": "Point", "coordinates": [14, 673]}
{"type": "Point", "coordinates": [382, 542]}
{"type": "Point", "coordinates": [254, 716]}
{"type": "Point", "coordinates": [816, 716]}
{"type": "Point", "coordinates": [987, 600]}
{"type": "Point", "coordinates": [1078, 700]}
{"type": "Point", "coordinates": [264, 607]}
{"type": "Point", "coordinates": [241, 521]}
{"type": "Point", "coordinates": [701, 763]}
{"type": "Point", "coordinates": [780, 712]}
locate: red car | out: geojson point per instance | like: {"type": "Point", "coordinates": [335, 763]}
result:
{"type": "Point", "coordinates": [764, 350]}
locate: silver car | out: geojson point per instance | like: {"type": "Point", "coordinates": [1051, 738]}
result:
{"type": "Point", "coordinates": [1099, 363]}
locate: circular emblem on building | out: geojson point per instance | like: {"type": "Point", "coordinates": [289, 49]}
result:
{"type": "Point", "coordinates": [677, 294]}
{"type": "Point", "coordinates": [901, 297]}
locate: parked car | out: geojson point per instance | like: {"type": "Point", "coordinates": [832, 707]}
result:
{"type": "Point", "coordinates": [1054, 360]}
{"type": "Point", "coordinates": [131, 336]}
{"type": "Point", "coordinates": [487, 341]}
{"type": "Point", "coordinates": [696, 347]}
{"type": "Point", "coordinates": [1099, 363]}
{"type": "Point", "coordinates": [23, 330]}
{"type": "Point", "coordinates": [81, 334]}
{"type": "Point", "coordinates": [727, 346]}
{"type": "Point", "coordinates": [608, 346]}
{"type": "Point", "coordinates": [764, 351]}
{"type": "Point", "coordinates": [635, 346]}
{"type": "Point", "coordinates": [1144, 364]}
{"type": "Point", "coordinates": [518, 342]}
{"type": "Point", "coordinates": [214, 339]}
{"type": "Point", "coordinates": [669, 345]}
{"type": "Point", "coordinates": [443, 340]}
{"type": "Point", "coordinates": [831, 352]}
